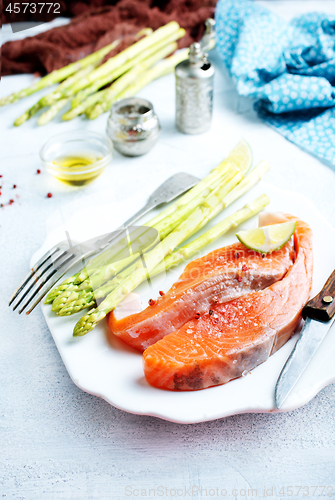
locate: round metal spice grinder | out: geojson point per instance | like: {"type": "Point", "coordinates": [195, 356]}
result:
{"type": "Point", "coordinates": [133, 126]}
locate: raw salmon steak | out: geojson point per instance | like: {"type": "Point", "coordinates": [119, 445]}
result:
{"type": "Point", "coordinates": [220, 276]}
{"type": "Point", "coordinates": [235, 336]}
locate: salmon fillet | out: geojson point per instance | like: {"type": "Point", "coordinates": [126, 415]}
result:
{"type": "Point", "coordinates": [239, 334]}
{"type": "Point", "coordinates": [222, 275]}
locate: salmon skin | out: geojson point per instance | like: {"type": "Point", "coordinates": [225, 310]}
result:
{"type": "Point", "coordinates": [238, 335]}
{"type": "Point", "coordinates": [222, 275]}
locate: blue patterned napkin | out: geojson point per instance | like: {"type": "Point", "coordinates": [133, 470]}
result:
{"type": "Point", "coordinates": [287, 68]}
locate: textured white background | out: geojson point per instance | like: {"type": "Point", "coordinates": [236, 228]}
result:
{"type": "Point", "coordinates": [58, 442]}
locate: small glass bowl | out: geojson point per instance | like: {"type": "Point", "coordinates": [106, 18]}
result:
{"type": "Point", "coordinates": [77, 157]}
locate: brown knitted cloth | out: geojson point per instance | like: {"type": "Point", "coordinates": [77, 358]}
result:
{"type": "Point", "coordinates": [95, 27]}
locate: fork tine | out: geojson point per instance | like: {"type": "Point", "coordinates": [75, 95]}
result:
{"type": "Point", "coordinates": [34, 283]}
{"type": "Point", "coordinates": [37, 277]}
{"type": "Point", "coordinates": [57, 276]}
{"type": "Point", "coordinates": [33, 270]}
{"type": "Point", "coordinates": [39, 284]}
{"type": "Point", "coordinates": [59, 257]}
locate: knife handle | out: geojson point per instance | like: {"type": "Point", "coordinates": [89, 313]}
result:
{"type": "Point", "coordinates": [321, 307]}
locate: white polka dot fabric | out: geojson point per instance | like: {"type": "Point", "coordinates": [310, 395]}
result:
{"type": "Point", "coordinates": [287, 68]}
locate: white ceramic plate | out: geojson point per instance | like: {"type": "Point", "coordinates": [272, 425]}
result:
{"type": "Point", "coordinates": [115, 372]}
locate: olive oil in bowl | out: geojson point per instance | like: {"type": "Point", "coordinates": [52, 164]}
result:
{"type": "Point", "coordinates": [77, 158]}
{"type": "Point", "coordinates": [77, 170]}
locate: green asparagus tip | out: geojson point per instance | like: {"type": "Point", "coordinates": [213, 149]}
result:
{"type": "Point", "coordinates": [20, 120]}
{"type": "Point", "coordinates": [56, 292]}
{"type": "Point", "coordinates": [95, 112]}
{"type": "Point", "coordinates": [75, 103]}
{"type": "Point", "coordinates": [86, 323]}
{"type": "Point", "coordinates": [82, 301]}
{"type": "Point", "coordinates": [52, 296]}
{"type": "Point", "coordinates": [60, 301]}
{"type": "Point", "coordinates": [7, 100]}
{"type": "Point", "coordinates": [75, 306]}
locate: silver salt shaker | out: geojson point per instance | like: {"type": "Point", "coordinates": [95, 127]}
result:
{"type": "Point", "coordinates": [133, 126]}
{"type": "Point", "coordinates": [194, 87]}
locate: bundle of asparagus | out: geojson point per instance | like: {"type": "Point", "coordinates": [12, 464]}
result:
{"type": "Point", "coordinates": [112, 275]}
{"type": "Point", "coordinates": [126, 73]}
{"type": "Point", "coordinates": [206, 211]}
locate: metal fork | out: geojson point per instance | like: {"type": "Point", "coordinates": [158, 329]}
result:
{"type": "Point", "coordinates": [52, 266]}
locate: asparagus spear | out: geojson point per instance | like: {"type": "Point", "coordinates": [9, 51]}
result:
{"type": "Point", "coordinates": [70, 89]}
{"type": "Point", "coordinates": [70, 82]}
{"type": "Point", "coordinates": [48, 99]}
{"type": "Point", "coordinates": [60, 74]}
{"type": "Point", "coordinates": [100, 82]}
{"type": "Point", "coordinates": [160, 69]}
{"type": "Point", "coordinates": [90, 91]}
{"type": "Point", "coordinates": [56, 76]}
{"type": "Point", "coordinates": [216, 202]}
{"type": "Point", "coordinates": [95, 280]}
{"type": "Point", "coordinates": [239, 156]}
{"type": "Point", "coordinates": [114, 67]}
{"type": "Point", "coordinates": [127, 78]}
{"type": "Point", "coordinates": [86, 104]}
{"type": "Point", "coordinates": [120, 249]}
{"type": "Point", "coordinates": [230, 222]}
{"type": "Point", "coordinates": [28, 114]}
{"type": "Point", "coordinates": [66, 284]}
{"type": "Point", "coordinates": [164, 227]}
{"type": "Point", "coordinates": [163, 68]}
{"type": "Point", "coordinates": [51, 98]}
{"type": "Point", "coordinates": [52, 111]}
{"type": "Point", "coordinates": [121, 59]}
{"type": "Point", "coordinates": [224, 183]}
{"type": "Point", "coordinates": [87, 297]}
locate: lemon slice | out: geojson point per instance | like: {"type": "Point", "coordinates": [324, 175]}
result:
{"type": "Point", "coordinates": [267, 239]}
{"type": "Point", "coordinates": [241, 155]}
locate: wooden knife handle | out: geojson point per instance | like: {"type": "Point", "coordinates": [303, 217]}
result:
{"type": "Point", "coordinates": [322, 306]}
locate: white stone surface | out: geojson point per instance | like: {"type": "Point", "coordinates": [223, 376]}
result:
{"type": "Point", "coordinates": [58, 442]}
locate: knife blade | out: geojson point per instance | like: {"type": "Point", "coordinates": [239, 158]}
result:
{"type": "Point", "coordinates": [319, 313]}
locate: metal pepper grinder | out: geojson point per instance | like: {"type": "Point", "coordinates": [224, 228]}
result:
{"type": "Point", "coordinates": [194, 86]}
